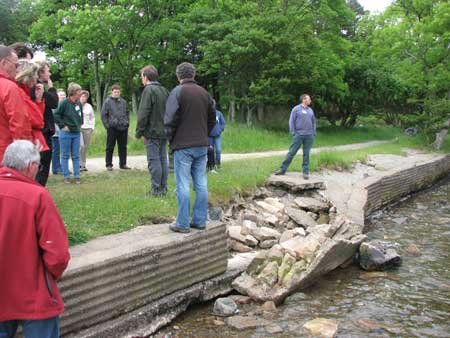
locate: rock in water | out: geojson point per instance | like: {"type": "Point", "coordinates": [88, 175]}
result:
{"type": "Point", "coordinates": [374, 256]}
{"type": "Point", "coordinates": [225, 307]}
{"type": "Point", "coordinates": [321, 327]}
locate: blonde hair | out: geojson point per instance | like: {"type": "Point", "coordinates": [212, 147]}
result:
{"type": "Point", "coordinates": [26, 72]}
{"type": "Point", "coordinates": [73, 88]}
{"type": "Point", "coordinates": [41, 66]}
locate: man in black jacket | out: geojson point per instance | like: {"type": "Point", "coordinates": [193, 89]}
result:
{"type": "Point", "coordinates": [189, 118]}
{"type": "Point", "coordinates": [150, 124]}
{"type": "Point", "coordinates": [51, 102]}
{"type": "Point", "coordinates": [116, 119]}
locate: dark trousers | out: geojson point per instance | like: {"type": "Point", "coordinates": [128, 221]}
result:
{"type": "Point", "coordinates": [46, 159]}
{"type": "Point", "coordinates": [211, 162]}
{"type": "Point", "coordinates": [157, 165]}
{"type": "Point", "coordinates": [121, 136]}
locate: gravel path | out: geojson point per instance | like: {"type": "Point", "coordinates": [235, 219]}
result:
{"type": "Point", "coordinates": [97, 164]}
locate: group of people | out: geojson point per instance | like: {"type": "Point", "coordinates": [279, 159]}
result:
{"type": "Point", "coordinates": [32, 122]}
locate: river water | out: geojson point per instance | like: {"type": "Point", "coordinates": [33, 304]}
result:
{"type": "Point", "coordinates": [412, 301]}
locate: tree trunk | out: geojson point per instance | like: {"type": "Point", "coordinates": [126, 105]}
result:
{"type": "Point", "coordinates": [440, 137]}
{"type": "Point", "coordinates": [260, 112]}
{"type": "Point", "coordinates": [249, 119]}
{"type": "Point", "coordinates": [232, 107]}
{"type": "Point", "coordinates": [98, 86]}
{"type": "Point", "coordinates": [134, 104]}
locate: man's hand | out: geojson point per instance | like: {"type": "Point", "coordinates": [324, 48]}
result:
{"type": "Point", "coordinates": [66, 128]}
{"type": "Point", "coordinates": [39, 92]}
{"type": "Point", "coordinates": [50, 83]}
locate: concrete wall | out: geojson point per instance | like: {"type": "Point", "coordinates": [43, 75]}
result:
{"type": "Point", "coordinates": [116, 274]}
{"type": "Point", "coordinates": [374, 193]}
{"type": "Point", "coordinates": [399, 183]}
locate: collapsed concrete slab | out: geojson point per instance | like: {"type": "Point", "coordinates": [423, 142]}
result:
{"type": "Point", "coordinates": [114, 275]}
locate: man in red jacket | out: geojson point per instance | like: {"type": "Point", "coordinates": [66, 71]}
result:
{"type": "Point", "coordinates": [14, 121]}
{"type": "Point", "coordinates": [34, 248]}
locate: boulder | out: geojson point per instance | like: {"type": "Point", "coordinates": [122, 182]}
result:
{"type": "Point", "coordinates": [413, 250]}
{"type": "Point", "coordinates": [374, 256]}
{"type": "Point", "coordinates": [268, 243]}
{"type": "Point", "coordinates": [322, 327]}
{"type": "Point", "coordinates": [247, 227]}
{"type": "Point", "coordinates": [234, 232]}
{"type": "Point", "coordinates": [215, 213]}
{"type": "Point", "coordinates": [269, 274]}
{"type": "Point", "coordinates": [275, 202]}
{"type": "Point", "coordinates": [267, 207]}
{"type": "Point", "coordinates": [313, 215]}
{"type": "Point", "coordinates": [239, 247]}
{"type": "Point", "coordinates": [239, 299]}
{"type": "Point", "coordinates": [251, 241]}
{"type": "Point", "coordinates": [300, 217]}
{"type": "Point", "coordinates": [311, 204]}
{"type": "Point", "coordinates": [250, 216]}
{"type": "Point", "coordinates": [275, 254]}
{"type": "Point", "coordinates": [294, 182]}
{"type": "Point", "coordinates": [248, 322]}
{"type": "Point", "coordinates": [225, 307]}
{"type": "Point", "coordinates": [287, 235]}
{"type": "Point", "coordinates": [270, 219]}
{"type": "Point", "coordinates": [286, 265]}
{"type": "Point", "coordinates": [257, 264]}
{"type": "Point", "coordinates": [268, 306]}
{"type": "Point", "coordinates": [299, 232]}
{"type": "Point", "coordinates": [264, 233]}
{"type": "Point", "coordinates": [301, 247]}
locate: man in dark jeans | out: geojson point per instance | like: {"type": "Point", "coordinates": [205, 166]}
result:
{"type": "Point", "coordinates": [302, 126]}
{"type": "Point", "coordinates": [116, 119]}
{"type": "Point", "coordinates": [150, 124]}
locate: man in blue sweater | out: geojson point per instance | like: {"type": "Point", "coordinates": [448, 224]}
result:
{"type": "Point", "coordinates": [302, 126]}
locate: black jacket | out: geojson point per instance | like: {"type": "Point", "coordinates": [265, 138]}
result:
{"type": "Point", "coordinates": [51, 102]}
{"type": "Point", "coordinates": [190, 116]}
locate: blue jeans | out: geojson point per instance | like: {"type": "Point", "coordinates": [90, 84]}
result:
{"type": "Point", "coordinates": [40, 328]}
{"type": "Point", "coordinates": [191, 162]}
{"type": "Point", "coordinates": [217, 143]}
{"type": "Point", "coordinates": [70, 146]}
{"type": "Point", "coordinates": [56, 159]}
{"type": "Point", "coordinates": [297, 141]}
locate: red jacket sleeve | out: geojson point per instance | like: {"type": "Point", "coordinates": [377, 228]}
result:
{"type": "Point", "coordinates": [52, 237]}
{"type": "Point", "coordinates": [16, 110]}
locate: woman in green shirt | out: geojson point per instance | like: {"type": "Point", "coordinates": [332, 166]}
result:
{"type": "Point", "coordinates": [69, 118]}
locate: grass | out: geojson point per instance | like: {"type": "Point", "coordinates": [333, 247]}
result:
{"type": "Point", "coordinates": [116, 201]}
{"type": "Point", "coordinates": [238, 138]}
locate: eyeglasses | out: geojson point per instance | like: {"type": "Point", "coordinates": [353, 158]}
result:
{"type": "Point", "coordinates": [15, 64]}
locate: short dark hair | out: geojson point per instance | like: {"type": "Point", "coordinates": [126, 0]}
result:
{"type": "Point", "coordinates": [115, 87]}
{"type": "Point", "coordinates": [5, 52]}
{"type": "Point", "coordinates": [22, 50]}
{"type": "Point", "coordinates": [185, 70]}
{"type": "Point", "coordinates": [41, 66]}
{"type": "Point", "coordinates": [150, 72]}
{"type": "Point", "coordinates": [303, 96]}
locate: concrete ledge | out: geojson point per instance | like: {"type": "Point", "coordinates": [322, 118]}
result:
{"type": "Point", "coordinates": [116, 274]}
{"type": "Point", "coordinates": [374, 193]}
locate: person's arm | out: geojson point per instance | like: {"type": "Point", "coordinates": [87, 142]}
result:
{"type": "Point", "coordinates": [292, 122]}
{"type": "Point", "coordinates": [144, 113]}
{"type": "Point", "coordinates": [222, 121]}
{"type": "Point", "coordinates": [17, 115]}
{"type": "Point", "coordinates": [52, 237]}
{"type": "Point", "coordinates": [313, 122]}
{"type": "Point", "coordinates": [58, 115]}
{"type": "Point", "coordinates": [105, 114]}
{"type": "Point", "coordinates": [171, 113]}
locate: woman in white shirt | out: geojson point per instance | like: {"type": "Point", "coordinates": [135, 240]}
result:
{"type": "Point", "coordinates": [87, 128]}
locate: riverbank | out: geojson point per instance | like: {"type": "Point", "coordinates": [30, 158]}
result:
{"type": "Point", "coordinates": [137, 325]}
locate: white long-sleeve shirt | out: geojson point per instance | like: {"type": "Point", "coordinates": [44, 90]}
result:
{"type": "Point", "coordinates": [88, 117]}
